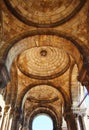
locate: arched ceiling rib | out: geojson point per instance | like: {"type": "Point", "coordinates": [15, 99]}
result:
{"type": "Point", "coordinates": [44, 13]}
{"type": "Point", "coordinates": [54, 39]}
{"type": "Point", "coordinates": [16, 46]}
{"type": "Point", "coordinates": [42, 94]}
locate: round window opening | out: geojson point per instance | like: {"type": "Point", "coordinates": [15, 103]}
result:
{"type": "Point", "coordinates": [42, 122]}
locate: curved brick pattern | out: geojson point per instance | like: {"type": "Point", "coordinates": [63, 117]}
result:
{"type": "Point", "coordinates": [43, 61]}
{"type": "Point", "coordinates": [44, 12]}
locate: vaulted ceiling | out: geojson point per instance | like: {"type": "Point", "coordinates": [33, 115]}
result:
{"type": "Point", "coordinates": [44, 49]}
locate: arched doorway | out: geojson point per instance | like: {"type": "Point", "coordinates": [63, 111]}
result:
{"type": "Point", "coordinates": [42, 122]}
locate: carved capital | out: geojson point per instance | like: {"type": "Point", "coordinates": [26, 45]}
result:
{"type": "Point", "coordinates": [79, 111]}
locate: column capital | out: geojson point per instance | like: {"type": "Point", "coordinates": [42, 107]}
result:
{"type": "Point", "coordinates": [79, 111]}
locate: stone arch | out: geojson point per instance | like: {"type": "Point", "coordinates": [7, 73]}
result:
{"type": "Point", "coordinates": [15, 43]}
{"type": "Point", "coordinates": [66, 9]}
{"type": "Point", "coordinates": [42, 105]}
{"type": "Point", "coordinates": [60, 90]}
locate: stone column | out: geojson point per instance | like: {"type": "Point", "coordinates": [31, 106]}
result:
{"type": "Point", "coordinates": [9, 125]}
{"type": "Point", "coordinates": [80, 113]}
{"type": "Point", "coordinates": [10, 119]}
{"type": "Point", "coordinates": [25, 124]}
{"type": "Point", "coordinates": [5, 120]}
{"type": "Point", "coordinates": [70, 120]}
{"type": "Point", "coordinates": [81, 122]}
{"type": "Point", "coordinates": [77, 121]}
{"type": "Point", "coordinates": [16, 118]}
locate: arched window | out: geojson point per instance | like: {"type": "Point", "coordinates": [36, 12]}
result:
{"type": "Point", "coordinates": [42, 122]}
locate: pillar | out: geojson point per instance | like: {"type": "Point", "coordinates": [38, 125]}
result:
{"type": "Point", "coordinates": [80, 113]}
{"type": "Point", "coordinates": [10, 119]}
{"type": "Point", "coordinates": [15, 120]}
{"type": "Point", "coordinates": [70, 120]}
{"type": "Point", "coordinates": [81, 122]}
{"type": "Point", "coordinates": [5, 120]}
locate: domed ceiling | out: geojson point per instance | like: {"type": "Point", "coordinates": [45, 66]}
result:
{"type": "Point", "coordinates": [43, 62]}
{"type": "Point", "coordinates": [44, 12]}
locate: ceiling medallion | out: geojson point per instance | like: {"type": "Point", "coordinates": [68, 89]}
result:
{"type": "Point", "coordinates": [44, 13]}
{"type": "Point", "coordinates": [43, 52]}
{"type": "Point", "coordinates": [43, 62]}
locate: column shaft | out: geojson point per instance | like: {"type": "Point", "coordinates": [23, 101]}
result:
{"type": "Point", "coordinates": [81, 122]}
{"type": "Point", "coordinates": [71, 122]}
